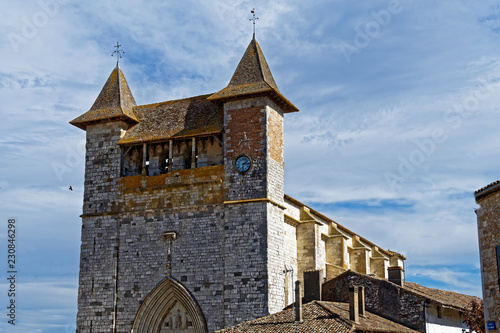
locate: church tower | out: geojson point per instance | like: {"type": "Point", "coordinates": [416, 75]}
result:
{"type": "Point", "coordinates": [253, 187]}
{"type": "Point", "coordinates": [183, 212]}
{"type": "Point", "coordinates": [110, 116]}
{"type": "Point", "coordinates": [185, 224]}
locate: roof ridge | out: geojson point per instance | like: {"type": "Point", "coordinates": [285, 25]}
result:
{"type": "Point", "coordinates": [263, 69]}
{"type": "Point", "coordinates": [259, 61]}
{"type": "Point", "coordinates": [119, 87]}
{"type": "Point", "coordinates": [174, 100]}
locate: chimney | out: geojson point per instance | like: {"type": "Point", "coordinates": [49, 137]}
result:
{"type": "Point", "coordinates": [353, 304]}
{"type": "Point", "coordinates": [397, 275]}
{"type": "Point", "coordinates": [361, 301]}
{"type": "Point", "coordinates": [312, 285]}
{"type": "Point", "coordinates": [298, 302]}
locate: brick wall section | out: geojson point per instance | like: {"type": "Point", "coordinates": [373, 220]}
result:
{"type": "Point", "coordinates": [238, 116]}
{"type": "Point", "coordinates": [488, 224]}
{"type": "Point", "coordinates": [381, 297]}
{"type": "Point", "coordinates": [275, 134]}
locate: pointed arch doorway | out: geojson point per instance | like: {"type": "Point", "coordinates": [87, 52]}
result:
{"type": "Point", "coordinates": [169, 308]}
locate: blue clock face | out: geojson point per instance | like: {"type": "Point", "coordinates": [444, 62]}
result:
{"type": "Point", "coordinates": [243, 163]}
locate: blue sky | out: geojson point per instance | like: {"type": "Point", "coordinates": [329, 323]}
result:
{"type": "Point", "coordinates": [399, 105]}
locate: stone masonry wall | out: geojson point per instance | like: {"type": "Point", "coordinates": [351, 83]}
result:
{"type": "Point", "coordinates": [254, 220]}
{"type": "Point", "coordinates": [381, 297]}
{"type": "Point", "coordinates": [99, 232]}
{"type": "Point", "coordinates": [188, 202]}
{"type": "Point", "coordinates": [359, 260]}
{"type": "Point", "coordinates": [290, 259]}
{"type": "Point", "coordinates": [97, 268]}
{"type": "Point", "coordinates": [307, 235]}
{"type": "Point", "coordinates": [245, 266]}
{"type": "Point", "coordinates": [488, 223]}
{"type": "Point", "coordinates": [102, 168]}
{"type": "Point", "coordinates": [276, 260]}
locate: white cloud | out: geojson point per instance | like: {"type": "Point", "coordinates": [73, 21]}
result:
{"type": "Point", "coordinates": [464, 282]}
{"type": "Point", "coordinates": [43, 306]}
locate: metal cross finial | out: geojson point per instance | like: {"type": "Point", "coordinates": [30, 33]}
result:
{"type": "Point", "coordinates": [253, 19]}
{"type": "Point", "coordinates": [117, 51]}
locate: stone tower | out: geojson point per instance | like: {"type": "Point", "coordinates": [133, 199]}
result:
{"type": "Point", "coordinates": [488, 223]}
{"type": "Point", "coordinates": [183, 214]}
{"type": "Point", "coordinates": [253, 198]}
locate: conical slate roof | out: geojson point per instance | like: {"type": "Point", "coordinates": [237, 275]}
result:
{"type": "Point", "coordinates": [253, 77]}
{"type": "Point", "coordinates": [115, 101]}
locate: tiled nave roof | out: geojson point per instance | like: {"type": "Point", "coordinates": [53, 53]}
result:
{"type": "Point", "coordinates": [319, 317]}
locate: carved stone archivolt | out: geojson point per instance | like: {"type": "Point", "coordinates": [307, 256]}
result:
{"type": "Point", "coordinates": [169, 308]}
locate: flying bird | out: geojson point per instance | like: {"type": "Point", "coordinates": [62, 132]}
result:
{"type": "Point", "coordinates": [70, 188]}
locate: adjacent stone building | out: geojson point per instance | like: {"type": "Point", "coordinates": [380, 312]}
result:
{"type": "Point", "coordinates": [320, 316]}
{"type": "Point", "coordinates": [185, 224]}
{"type": "Point", "coordinates": [488, 224]}
{"type": "Point", "coordinates": [410, 304]}
{"type": "Point", "coordinates": [356, 302]}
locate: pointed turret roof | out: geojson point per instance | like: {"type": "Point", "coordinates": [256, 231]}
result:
{"type": "Point", "coordinates": [251, 78]}
{"type": "Point", "coordinates": [115, 101]}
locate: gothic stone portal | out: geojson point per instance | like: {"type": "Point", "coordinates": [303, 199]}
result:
{"type": "Point", "coordinates": [169, 308]}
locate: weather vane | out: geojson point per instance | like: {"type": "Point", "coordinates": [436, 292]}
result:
{"type": "Point", "coordinates": [254, 19]}
{"type": "Point", "coordinates": [118, 52]}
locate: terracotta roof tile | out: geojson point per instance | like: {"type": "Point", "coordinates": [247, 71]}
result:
{"type": "Point", "coordinates": [488, 189]}
{"type": "Point", "coordinates": [315, 319]}
{"type": "Point", "coordinates": [174, 119]}
{"type": "Point", "coordinates": [443, 297]}
{"type": "Point", "coordinates": [114, 101]}
{"type": "Point", "coordinates": [319, 317]}
{"type": "Point", "coordinates": [369, 323]}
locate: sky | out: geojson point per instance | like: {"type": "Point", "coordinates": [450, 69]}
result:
{"type": "Point", "coordinates": [398, 124]}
